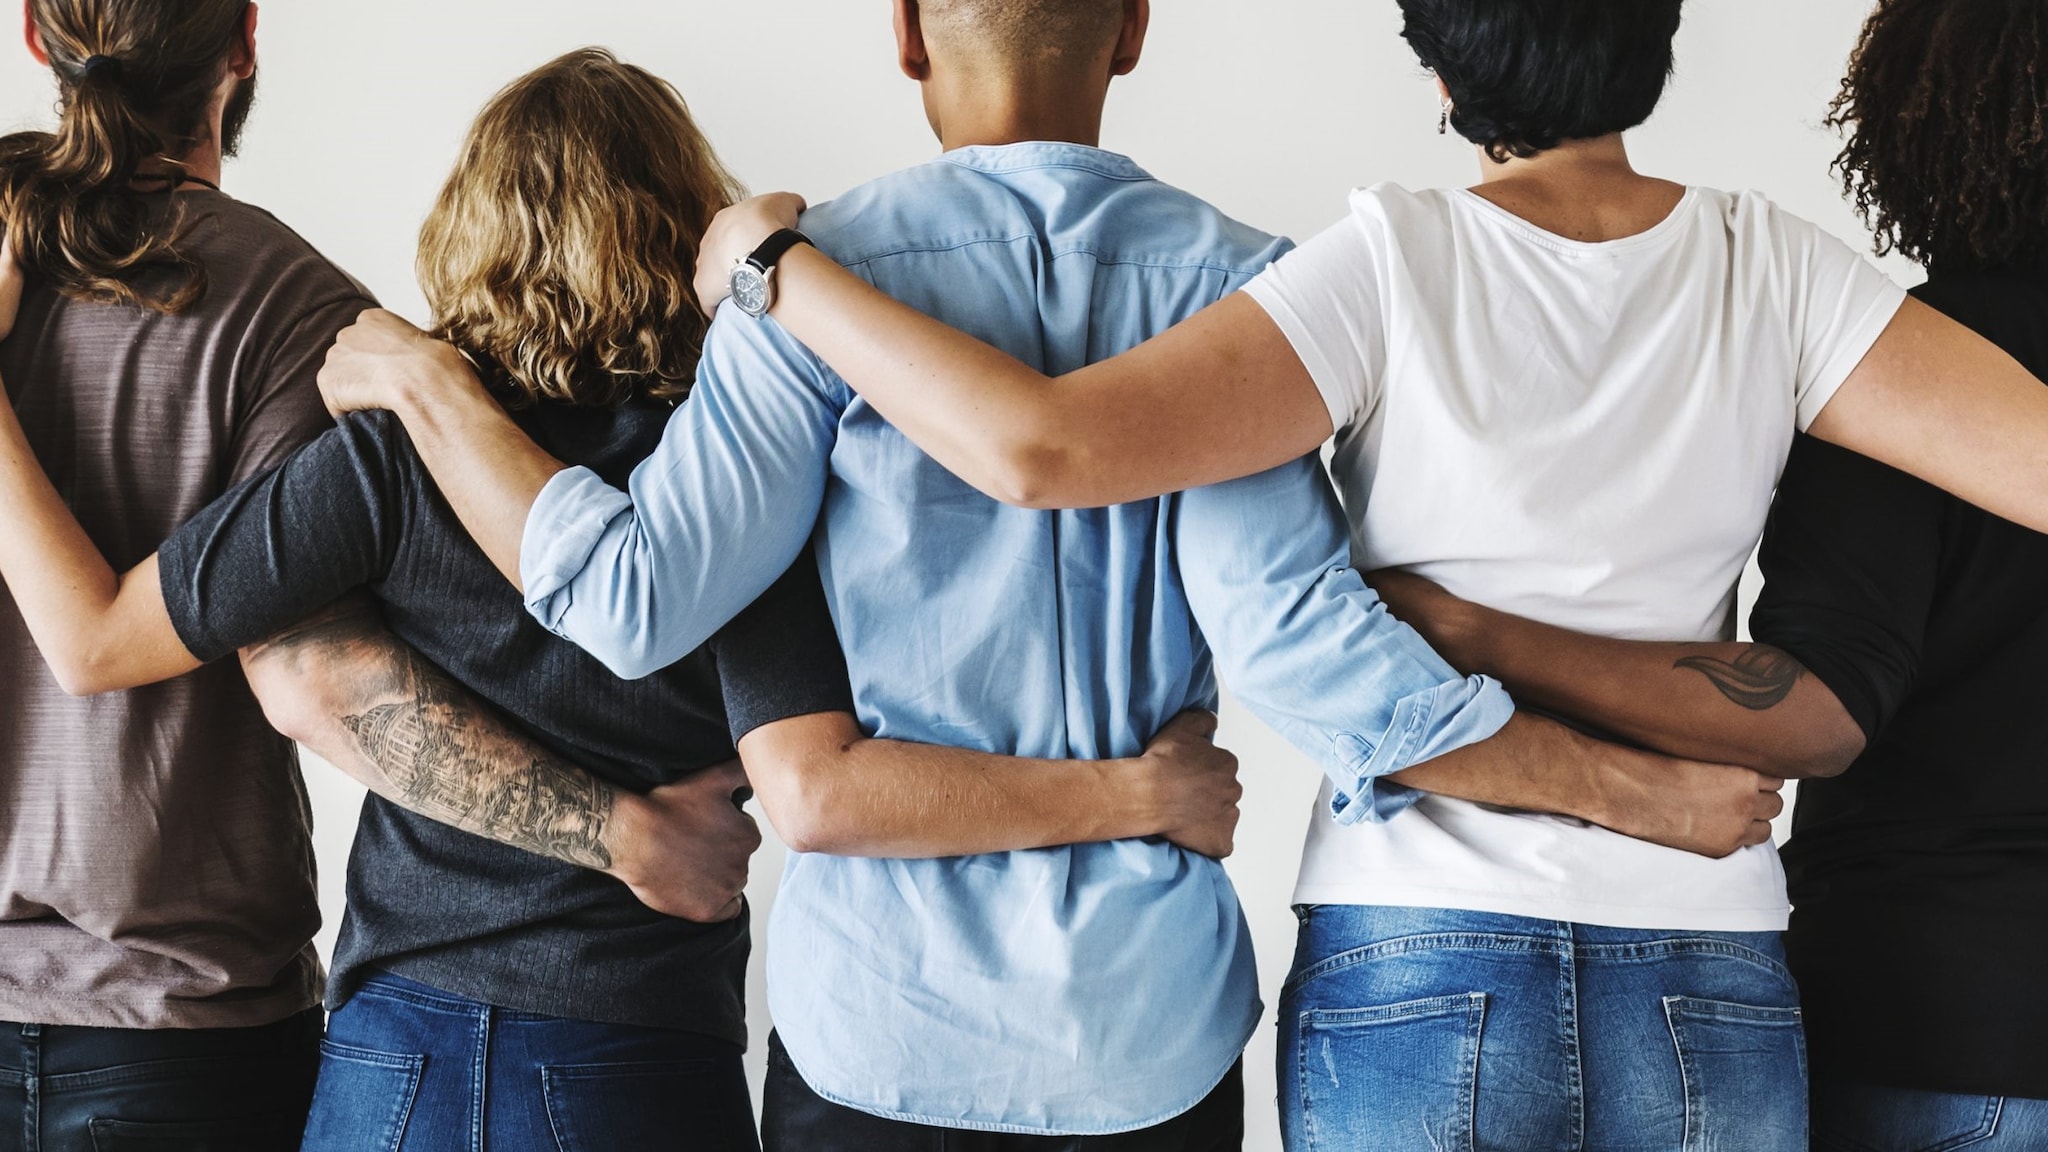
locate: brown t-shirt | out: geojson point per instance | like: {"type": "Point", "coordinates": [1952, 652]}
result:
{"type": "Point", "coordinates": [156, 862]}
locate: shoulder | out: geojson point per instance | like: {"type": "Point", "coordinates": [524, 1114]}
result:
{"type": "Point", "coordinates": [236, 240]}
{"type": "Point", "coordinates": [1131, 218]}
{"type": "Point", "coordinates": [896, 213]}
{"type": "Point", "coordinates": [1391, 218]}
{"type": "Point", "coordinates": [1754, 221]}
{"type": "Point", "coordinates": [1393, 209]}
{"type": "Point", "coordinates": [1152, 222]}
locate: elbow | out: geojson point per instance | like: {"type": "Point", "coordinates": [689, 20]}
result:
{"type": "Point", "coordinates": [797, 810]}
{"type": "Point", "coordinates": [1814, 755]}
{"type": "Point", "coordinates": [633, 653]}
{"type": "Point", "coordinates": [1035, 470]}
{"type": "Point", "coordinates": [86, 674]}
{"type": "Point", "coordinates": [288, 704]}
{"type": "Point", "coordinates": [79, 682]}
{"type": "Point", "coordinates": [636, 664]}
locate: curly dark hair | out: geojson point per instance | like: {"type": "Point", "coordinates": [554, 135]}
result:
{"type": "Point", "coordinates": [1946, 105]}
{"type": "Point", "coordinates": [1528, 75]}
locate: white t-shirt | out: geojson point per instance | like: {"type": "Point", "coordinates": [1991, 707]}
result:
{"type": "Point", "coordinates": [1582, 434]}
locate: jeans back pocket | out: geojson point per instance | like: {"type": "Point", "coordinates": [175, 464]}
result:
{"type": "Point", "coordinates": [1857, 1118]}
{"type": "Point", "coordinates": [1391, 1078]}
{"type": "Point", "coordinates": [1745, 1075]}
{"type": "Point", "coordinates": [273, 1134]}
{"type": "Point", "coordinates": [363, 1100]}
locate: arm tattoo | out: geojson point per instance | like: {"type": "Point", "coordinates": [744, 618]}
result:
{"type": "Point", "coordinates": [443, 753]}
{"type": "Point", "coordinates": [1759, 679]}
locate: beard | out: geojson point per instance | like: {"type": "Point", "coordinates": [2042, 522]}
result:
{"type": "Point", "coordinates": [235, 116]}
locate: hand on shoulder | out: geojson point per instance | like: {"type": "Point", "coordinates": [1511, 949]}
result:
{"type": "Point", "coordinates": [734, 235]}
{"type": "Point", "coordinates": [381, 361]}
{"type": "Point", "coordinates": [12, 281]}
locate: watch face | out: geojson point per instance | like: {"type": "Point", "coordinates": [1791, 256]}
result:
{"type": "Point", "coordinates": [750, 290]}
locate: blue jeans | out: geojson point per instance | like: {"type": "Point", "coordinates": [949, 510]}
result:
{"type": "Point", "coordinates": [1858, 1118]}
{"type": "Point", "coordinates": [407, 1068]}
{"type": "Point", "coordinates": [1444, 1031]}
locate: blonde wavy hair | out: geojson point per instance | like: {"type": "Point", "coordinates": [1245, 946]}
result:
{"type": "Point", "coordinates": [560, 253]}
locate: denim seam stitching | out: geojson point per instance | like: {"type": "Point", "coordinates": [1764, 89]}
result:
{"type": "Point", "coordinates": [1470, 1082]}
{"type": "Point", "coordinates": [557, 1126]}
{"type": "Point", "coordinates": [1427, 942]}
{"type": "Point", "coordinates": [1659, 949]}
{"type": "Point", "coordinates": [1568, 987]}
{"type": "Point", "coordinates": [480, 1076]}
{"type": "Point", "coordinates": [1686, 1075]}
{"type": "Point", "coordinates": [413, 1066]}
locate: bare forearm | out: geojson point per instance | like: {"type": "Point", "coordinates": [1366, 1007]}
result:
{"type": "Point", "coordinates": [489, 471]}
{"type": "Point", "coordinates": [363, 700]}
{"type": "Point", "coordinates": [1219, 397]}
{"type": "Point", "coordinates": [908, 366]}
{"type": "Point", "coordinates": [1744, 704]}
{"type": "Point", "coordinates": [98, 631]}
{"type": "Point", "coordinates": [828, 788]}
{"type": "Point", "coordinates": [1538, 765]}
{"type": "Point", "coordinates": [1533, 764]}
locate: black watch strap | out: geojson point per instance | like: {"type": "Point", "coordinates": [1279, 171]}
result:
{"type": "Point", "coordinates": [773, 249]}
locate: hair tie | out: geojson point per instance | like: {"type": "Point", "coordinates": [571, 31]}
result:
{"type": "Point", "coordinates": [95, 65]}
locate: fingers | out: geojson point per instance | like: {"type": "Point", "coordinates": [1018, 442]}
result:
{"type": "Point", "coordinates": [1770, 783]}
{"type": "Point", "coordinates": [11, 285]}
{"type": "Point", "coordinates": [1760, 832]}
{"type": "Point", "coordinates": [787, 208]}
{"type": "Point", "coordinates": [1768, 806]}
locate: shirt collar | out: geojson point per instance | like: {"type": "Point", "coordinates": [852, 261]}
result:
{"type": "Point", "coordinates": [994, 158]}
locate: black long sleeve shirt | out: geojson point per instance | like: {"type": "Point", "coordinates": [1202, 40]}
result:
{"type": "Point", "coordinates": [1919, 878]}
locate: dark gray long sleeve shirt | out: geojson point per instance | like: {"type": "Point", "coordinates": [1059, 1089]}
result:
{"type": "Point", "coordinates": [444, 907]}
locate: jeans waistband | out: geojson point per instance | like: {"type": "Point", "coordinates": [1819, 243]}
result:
{"type": "Point", "coordinates": [64, 1047]}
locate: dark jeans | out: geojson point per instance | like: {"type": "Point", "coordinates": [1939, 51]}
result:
{"type": "Point", "coordinates": [1858, 1118]}
{"type": "Point", "coordinates": [65, 1089]}
{"type": "Point", "coordinates": [408, 1068]}
{"type": "Point", "coordinates": [796, 1119]}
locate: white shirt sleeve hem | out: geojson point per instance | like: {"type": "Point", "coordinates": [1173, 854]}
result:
{"type": "Point", "coordinates": [1855, 350]}
{"type": "Point", "coordinates": [1329, 383]}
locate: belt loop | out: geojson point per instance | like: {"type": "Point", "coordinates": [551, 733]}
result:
{"type": "Point", "coordinates": [32, 1087]}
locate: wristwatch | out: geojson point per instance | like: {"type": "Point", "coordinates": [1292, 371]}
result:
{"type": "Point", "coordinates": [753, 279]}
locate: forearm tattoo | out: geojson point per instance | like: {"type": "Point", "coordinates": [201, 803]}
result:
{"type": "Point", "coordinates": [441, 751]}
{"type": "Point", "coordinates": [1759, 679]}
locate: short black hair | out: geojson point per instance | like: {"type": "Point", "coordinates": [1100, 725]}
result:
{"type": "Point", "coordinates": [1948, 104]}
{"type": "Point", "coordinates": [1527, 75]}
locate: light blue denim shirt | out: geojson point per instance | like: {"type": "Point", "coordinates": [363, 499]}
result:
{"type": "Point", "coordinates": [1083, 990]}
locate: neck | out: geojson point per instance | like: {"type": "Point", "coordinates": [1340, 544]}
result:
{"type": "Point", "coordinates": [205, 161]}
{"type": "Point", "coordinates": [967, 112]}
{"type": "Point", "coordinates": [201, 163]}
{"type": "Point", "coordinates": [1599, 160]}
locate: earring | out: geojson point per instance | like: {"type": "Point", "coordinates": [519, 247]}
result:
{"type": "Point", "coordinates": [1443, 126]}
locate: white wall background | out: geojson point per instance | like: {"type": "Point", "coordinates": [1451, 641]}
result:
{"type": "Point", "coordinates": [1271, 108]}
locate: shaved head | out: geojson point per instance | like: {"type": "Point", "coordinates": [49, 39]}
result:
{"type": "Point", "coordinates": [1026, 34]}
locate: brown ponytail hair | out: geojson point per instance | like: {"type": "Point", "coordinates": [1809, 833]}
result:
{"type": "Point", "coordinates": [136, 80]}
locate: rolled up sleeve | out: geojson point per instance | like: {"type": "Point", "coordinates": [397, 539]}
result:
{"type": "Point", "coordinates": [1302, 640]}
{"type": "Point", "coordinates": [641, 578]}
